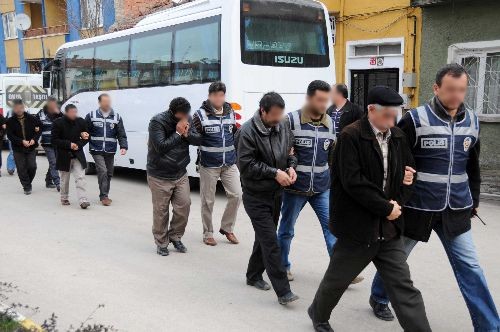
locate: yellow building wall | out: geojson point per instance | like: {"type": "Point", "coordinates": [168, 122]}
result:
{"type": "Point", "coordinates": [33, 46]}
{"type": "Point", "coordinates": [369, 19]}
{"type": "Point", "coordinates": [7, 6]}
{"type": "Point", "coordinates": [55, 12]}
{"type": "Point", "coordinates": [12, 53]}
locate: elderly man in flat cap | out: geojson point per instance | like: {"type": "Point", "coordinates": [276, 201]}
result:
{"type": "Point", "coordinates": [371, 179]}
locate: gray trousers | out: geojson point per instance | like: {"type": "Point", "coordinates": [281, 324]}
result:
{"type": "Point", "coordinates": [78, 173]}
{"type": "Point", "coordinates": [104, 165]}
{"type": "Point", "coordinates": [163, 193]}
{"type": "Point", "coordinates": [230, 178]}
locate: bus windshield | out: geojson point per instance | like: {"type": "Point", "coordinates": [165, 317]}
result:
{"type": "Point", "coordinates": [284, 33]}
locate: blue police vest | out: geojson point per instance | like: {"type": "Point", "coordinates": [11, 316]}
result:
{"type": "Point", "coordinates": [217, 145]}
{"type": "Point", "coordinates": [46, 128]}
{"type": "Point", "coordinates": [104, 132]}
{"type": "Point", "coordinates": [441, 153]}
{"type": "Point", "coordinates": [312, 145]}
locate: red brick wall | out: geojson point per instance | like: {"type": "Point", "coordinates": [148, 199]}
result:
{"type": "Point", "coordinates": [129, 12]}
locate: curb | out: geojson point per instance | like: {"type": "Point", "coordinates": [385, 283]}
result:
{"type": "Point", "coordinates": [26, 323]}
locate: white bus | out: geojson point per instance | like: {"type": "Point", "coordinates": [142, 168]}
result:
{"type": "Point", "coordinates": [254, 46]}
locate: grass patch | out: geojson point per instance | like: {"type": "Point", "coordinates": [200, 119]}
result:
{"type": "Point", "coordinates": [8, 325]}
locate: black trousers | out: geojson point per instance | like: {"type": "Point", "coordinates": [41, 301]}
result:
{"type": "Point", "coordinates": [104, 165]}
{"type": "Point", "coordinates": [26, 167]}
{"type": "Point", "coordinates": [264, 211]}
{"type": "Point", "coordinates": [349, 259]}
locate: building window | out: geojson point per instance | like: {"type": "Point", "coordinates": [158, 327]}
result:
{"type": "Point", "coordinates": [377, 50]}
{"type": "Point", "coordinates": [9, 27]}
{"type": "Point", "coordinates": [483, 67]}
{"type": "Point", "coordinates": [91, 13]}
{"type": "Point", "coordinates": [13, 70]}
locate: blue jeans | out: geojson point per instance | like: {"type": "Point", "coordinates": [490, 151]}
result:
{"type": "Point", "coordinates": [11, 164]}
{"type": "Point", "coordinates": [470, 277]}
{"type": "Point", "coordinates": [52, 173]}
{"type": "Point", "coordinates": [290, 210]}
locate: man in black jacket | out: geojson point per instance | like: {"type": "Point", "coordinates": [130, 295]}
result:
{"type": "Point", "coordinates": [69, 136]}
{"type": "Point", "coordinates": [444, 137]}
{"type": "Point", "coordinates": [24, 130]}
{"type": "Point", "coordinates": [343, 111]}
{"type": "Point", "coordinates": [3, 126]}
{"type": "Point", "coordinates": [368, 189]}
{"type": "Point", "coordinates": [266, 165]}
{"type": "Point", "coordinates": [170, 134]}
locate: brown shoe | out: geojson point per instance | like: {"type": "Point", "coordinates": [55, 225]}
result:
{"type": "Point", "coordinates": [106, 201]}
{"type": "Point", "coordinates": [230, 237]}
{"type": "Point", "coordinates": [84, 205]}
{"type": "Point", "coordinates": [65, 202]}
{"type": "Point", "coordinates": [210, 241]}
{"type": "Point", "coordinates": [357, 280]}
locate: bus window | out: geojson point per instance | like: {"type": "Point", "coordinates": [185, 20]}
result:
{"type": "Point", "coordinates": [112, 66]}
{"type": "Point", "coordinates": [79, 71]}
{"type": "Point", "coordinates": [151, 59]}
{"type": "Point", "coordinates": [197, 53]}
{"type": "Point", "coordinates": [285, 34]}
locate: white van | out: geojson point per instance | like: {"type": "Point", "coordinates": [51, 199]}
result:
{"type": "Point", "coordinates": [28, 87]}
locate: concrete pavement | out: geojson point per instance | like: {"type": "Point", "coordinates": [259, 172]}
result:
{"type": "Point", "coordinates": [68, 261]}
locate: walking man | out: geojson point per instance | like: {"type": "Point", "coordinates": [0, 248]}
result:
{"type": "Point", "coordinates": [3, 126]}
{"type": "Point", "coordinates": [216, 123]}
{"type": "Point", "coordinates": [343, 111]}
{"type": "Point", "coordinates": [312, 137]}
{"type": "Point", "coordinates": [106, 132]}
{"type": "Point", "coordinates": [367, 193]}
{"type": "Point", "coordinates": [444, 137]}
{"type": "Point", "coordinates": [69, 136]}
{"type": "Point", "coordinates": [170, 134]}
{"type": "Point", "coordinates": [266, 165]}
{"type": "Point", "coordinates": [47, 116]}
{"type": "Point", "coordinates": [24, 130]}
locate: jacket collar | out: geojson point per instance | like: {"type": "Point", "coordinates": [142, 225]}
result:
{"type": "Point", "coordinates": [207, 106]}
{"type": "Point", "coordinates": [441, 111]}
{"type": "Point", "coordinates": [306, 118]}
{"type": "Point", "coordinates": [111, 112]}
{"type": "Point", "coordinates": [257, 120]}
{"type": "Point", "coordinates": [368, 133]}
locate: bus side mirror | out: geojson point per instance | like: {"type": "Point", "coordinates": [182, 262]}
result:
{"type": "Point", "coordinates": [46, 79]}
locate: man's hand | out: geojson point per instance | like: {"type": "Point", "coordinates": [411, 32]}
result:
{"type": "Point", "coordinates": [4, 126]}
{"type": "Point", "coordinates": [37, 129]}
{"type": "Point", "coordinates": [32, 142]}
{"type": "Point", "coordinates": [186, 130]}
{"type": "Point", "coordinates": [123, 152]}
{"type": "Point", "coordinates": [283, 179]}
{"type": "Point", "coordinates": [74, 147]}
{"type": "Point", "coordinates": [84, 135]}
{"type": "Point", "coordinates": [26, 144]}
{"type": "Point", "coordinates": [409, 175]}
{"type": "Point", "coordinates": [181, 127]}
{"type": "Point", "coordinates": [396, 211]}
{"type": "Point", "coordinates": [292, 174]}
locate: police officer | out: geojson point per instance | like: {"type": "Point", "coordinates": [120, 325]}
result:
{"type": "Point", "coordinates": [444, 136]}
{"type": "Point", "coordinates": [106, 132]}
{"type": "Point", "coordinates": [216, 123]}
{"type": "Point", "coordinates": [47, 116]}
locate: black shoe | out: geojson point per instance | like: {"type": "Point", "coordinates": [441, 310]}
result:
{"type": "Point", "coordinates": [162, 251]}
{"type": "Point", "coordinates": [259, 284]}
{"type": "Point", "coordinates": [319, 327]}
{"type": "Point", "coordinates": [50, 185]}
{"type": "Point", "coordinates": [11, 172]}
{"type": "Point", "coordinates": [381, 310]}
{"type": "Point", "coordinates": [27, 191]}
{"type": "Point", "coordinates": [58, 188]}
{"type": "Point", "coordinates": [287, 298]}
{"type": "Point", "coordinates": [179, 246]}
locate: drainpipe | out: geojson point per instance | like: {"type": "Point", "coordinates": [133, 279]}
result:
{"type": "Point", "coordinates": [22, 64]}
{"type": "Point", "coordinates": [3, 59]}
{"type": "Point", "coordinates": [44, 25]}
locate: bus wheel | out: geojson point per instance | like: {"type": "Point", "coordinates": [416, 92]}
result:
{"type": "Point", "coordinates": [90, 170]}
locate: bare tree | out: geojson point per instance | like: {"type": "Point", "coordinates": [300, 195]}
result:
{"type": "Point", "coordinates": [89, 19]}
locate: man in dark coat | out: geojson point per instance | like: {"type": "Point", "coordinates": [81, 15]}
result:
{"type": "Point", "coordinates": [266, 165]}
{"type": "Point", "coordinates": [69, 136]}
{"type": "Point", "coordinates": [369, 186]}
{"type": "Point", "coordinates": [3, 126]}
{"type": "Point", "coordinates": [343, 111]}
{"type": "Point", "coordinates": [24, 130]}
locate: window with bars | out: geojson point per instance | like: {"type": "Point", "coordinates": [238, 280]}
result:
{"type": "Point", "coordinates": [483, 68]}
{"type": "Point", "coordinates": [9, 26]}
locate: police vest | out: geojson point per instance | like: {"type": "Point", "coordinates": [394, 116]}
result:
{"type": "Point", "coordinates": [441, 153]}
{"type": "Point", "coordinates": [104, 131]}
{"type": "Point", "coordinates": [217, 145]}
{"type": "Point", "coordinates": [46, 128]}
{"type": "Point", "coordinates": [312, 145]}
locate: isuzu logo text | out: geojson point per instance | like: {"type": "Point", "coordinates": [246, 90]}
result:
{"type": "Point", "coordinates": [283, 59]}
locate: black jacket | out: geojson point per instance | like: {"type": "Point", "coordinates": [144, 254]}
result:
{"type": "Point", "coordinates": [32, 129]}
{"type": "Point", "coordinates": [261, 152]}
{"type": "Point", "coordinates": [65, 132]}
{"type": "Point", "coordinates": [419, 224]}
{"type": "Point", "coordinates": [2, 131]}
{"type": "Point", "coordinates": [352, 113]}
{"type": "Point", "coordinates": [168, 152]}
{"type": "Point", "coordinates": [359, 203]}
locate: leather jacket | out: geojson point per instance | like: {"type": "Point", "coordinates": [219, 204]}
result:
{"type": "Point", "coordinates": [168, 152]}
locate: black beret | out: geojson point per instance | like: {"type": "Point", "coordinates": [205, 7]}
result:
{"type": "Point", "coordinates": [384, 96]}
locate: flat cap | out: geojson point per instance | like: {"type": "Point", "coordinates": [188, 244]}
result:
{"type": "Point", "coordinates": [384, 96]}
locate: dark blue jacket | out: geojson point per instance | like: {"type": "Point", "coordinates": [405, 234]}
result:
{"type": "Point", "coordinates": [106, 132]}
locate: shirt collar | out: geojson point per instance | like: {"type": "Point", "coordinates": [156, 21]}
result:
{"type": "Point", "coordinates": [306, 118]}
{"type": "Point", "coordinates": [377, 132]}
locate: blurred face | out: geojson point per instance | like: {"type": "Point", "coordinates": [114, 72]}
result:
{"type": "Point", "coordinates": [72, 113]}
{"type": "Point", "coordinates": [217, 99]}
{"type": "Point", "coordinates": [452, 91]}
{"type": "Point", "coordinates": [18, 109]}
{"type": "Point", "coordinates": [383, 118]}
{"type": "Point", "coordinates": [105, 103]}
{"type": "Point", "coordinates": [52, 107]}
{"type": "Point", "coordinates": [337, 97]}
{"type": "Point", "coordinates": [273, 117]}
{"type": "Point", "coordinates": [318, 103]}
{"type": "Point", "coordinates": [181, 116]}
